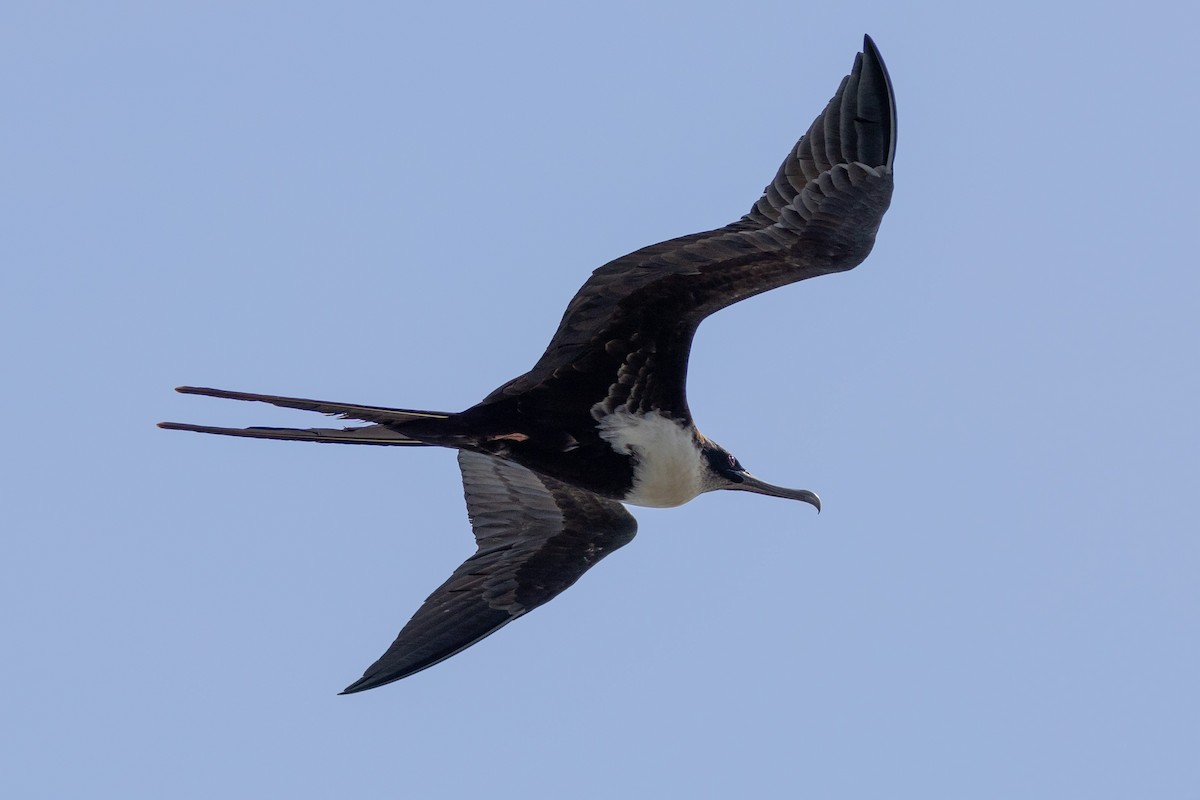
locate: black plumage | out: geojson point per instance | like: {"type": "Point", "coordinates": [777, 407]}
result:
{"type": "Point", "coordinates": [602, 417]}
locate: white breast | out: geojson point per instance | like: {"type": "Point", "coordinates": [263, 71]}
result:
{"type": "Point", "coordinates": [668, 467]}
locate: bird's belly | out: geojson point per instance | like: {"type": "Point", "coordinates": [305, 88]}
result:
{"type": "Point", "coordinates": [667, 464]}
{"type": "Point", "coordinates": [661, 490]}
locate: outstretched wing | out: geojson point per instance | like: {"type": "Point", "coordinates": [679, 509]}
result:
{"type": "Point", "coordinates": [628, 330]}
{"type": "Point", "coordinates": [535, 536]}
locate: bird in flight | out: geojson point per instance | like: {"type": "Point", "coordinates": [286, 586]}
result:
{"type": "Point", "coordinates": [549, 458]}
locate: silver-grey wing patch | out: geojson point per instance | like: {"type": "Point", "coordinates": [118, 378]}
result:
{"type": "Point", "coordinates": [535, 536]}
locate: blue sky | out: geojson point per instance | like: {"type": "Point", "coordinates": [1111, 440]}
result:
{"type": "Point", "coordinates": [392, 205]}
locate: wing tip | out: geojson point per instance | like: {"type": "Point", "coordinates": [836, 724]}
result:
{"type": "Point", "coordinates": [367, 682]}
{"type": "Point", "coordinates": [374, 681]}
{"type": "Point", "coordinates": [871, 63]}
{"type": "Point", "coordinates": [371, 680]}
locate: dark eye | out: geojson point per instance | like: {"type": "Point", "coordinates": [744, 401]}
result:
{"type": "Point", "coordinates": [733, 462]}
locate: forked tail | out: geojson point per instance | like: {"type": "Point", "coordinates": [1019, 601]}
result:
{"type": "Point", "coordinates": [377, 434]}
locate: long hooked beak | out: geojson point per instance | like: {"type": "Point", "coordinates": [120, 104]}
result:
{"type": "Point", "coordinates": [749, 483]}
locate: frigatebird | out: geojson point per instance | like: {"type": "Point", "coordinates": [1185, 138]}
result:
{"type": "Point", "coordinates": [602, 419]}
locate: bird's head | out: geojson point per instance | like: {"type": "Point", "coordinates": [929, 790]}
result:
{"type": "Point", "coordinates": [727, 472]}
